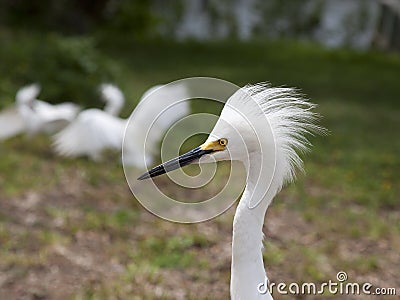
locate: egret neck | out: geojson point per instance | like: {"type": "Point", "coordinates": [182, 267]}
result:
{"type": "Point", "coordinates": [247, 268]}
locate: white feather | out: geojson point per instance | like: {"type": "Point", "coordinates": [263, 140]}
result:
{"type": "Point", "coordinates": [27, 94]}
{"type": "Point", "coordinates": [90, 134]}
{"type": "Point", "coordinates": [95, 130]}
{"type": "Point", "coordinates": [40, 116]}
{"type": "Point", "coordinates": [11, 123]}
{"type": "Point", "coordinates": [113, 97]}
{"type": "Point", "coordinates": [33, 116]}
{"type": "Point", "coordinates": [291, 118]}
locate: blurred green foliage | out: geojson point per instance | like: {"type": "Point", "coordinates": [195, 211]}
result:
{"type": "Point", "coordinates": [48, 42]}
{"type": "Point", "coordinates": [78, 16]}
{"type": "Point", "coordinates": [69, 68]}
{"type": "Point", "coordinates": [65, 16]}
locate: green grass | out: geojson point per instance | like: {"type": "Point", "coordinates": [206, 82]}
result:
{"type": "Point", "coordinates": [79, 217]}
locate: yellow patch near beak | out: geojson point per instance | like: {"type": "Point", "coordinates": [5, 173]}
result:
{"type": "Point", "coordinates": [217, 145]}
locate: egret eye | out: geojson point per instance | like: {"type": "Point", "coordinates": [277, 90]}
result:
{"type": "Point", "coordinates": [223, 142]}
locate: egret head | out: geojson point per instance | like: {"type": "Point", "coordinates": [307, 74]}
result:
{"type": "Point", "coordinates": [229, 140]}
{"type": "Point", "coordinates": [259, 124]}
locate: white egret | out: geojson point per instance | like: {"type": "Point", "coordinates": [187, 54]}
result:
{"type": "Point", "coordinates": [264, 128]}
{"type": "Point", "coordinates": [34, 116]}
{"type": "Point", "coordinates": [95, 130]}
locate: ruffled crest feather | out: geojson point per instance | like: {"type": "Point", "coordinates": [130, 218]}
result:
{"type": "Point", "coordinates": [292, 119]}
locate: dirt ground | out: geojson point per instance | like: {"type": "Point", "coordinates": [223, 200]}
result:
{"type": "Point", "coordinates": [52, 250]}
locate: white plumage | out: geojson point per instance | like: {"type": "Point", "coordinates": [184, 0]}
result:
{"type": "Point", "coordinates": [113, 98]}
{"type": "Point", "coordinates": [290, 119]}
{"type": "Point", "coordinates": [265, 128]}
{"type": "Point", "coordinates": [96, 130]}
{"type": "Point", "coordinates": [11, 123]}
{"type": "Point", "coordinates": [92, 132]}
{"type": "Point", "coordinates": [34, 116]}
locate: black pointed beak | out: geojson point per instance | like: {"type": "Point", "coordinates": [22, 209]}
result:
{"type": "Point", "coordinates": [176, 163]}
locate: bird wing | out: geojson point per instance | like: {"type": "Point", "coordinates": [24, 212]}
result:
{"type": "Point", "coordinates": [52, 118]}
{"type": "Point", "coordinates": [89, 134]}
{"type": "Point", "coordinates": [11, 123]}
{"type": "Point", "coordinates": [67, 111]}
{"type": "Point", "coordinates": [48, 112]}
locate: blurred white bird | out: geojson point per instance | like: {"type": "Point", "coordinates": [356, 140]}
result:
{"type": "Point", "coordinates": [113, 98]}
{"type": "Point", "coordinates": [264, 128]}
{"type": "Point", "coordinates": [11, 123]}
{"type": "Point", "coordinates": [95, 130]}
{"type": "Point", "coordinates": [34, 116]}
